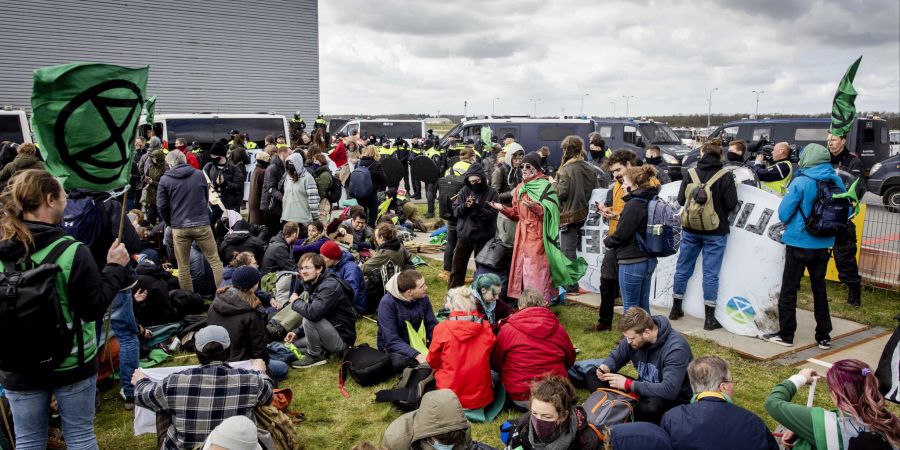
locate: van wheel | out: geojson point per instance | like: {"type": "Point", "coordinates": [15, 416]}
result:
{"type": "Point", "coordinates": [891, 198]}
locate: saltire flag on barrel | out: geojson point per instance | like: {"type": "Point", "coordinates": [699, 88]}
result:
{"type": "Point", "coordinates": [843, 107]}
{"type": "Point", "coordinates": [85, 116]}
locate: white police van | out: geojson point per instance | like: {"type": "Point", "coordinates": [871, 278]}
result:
{"type": "Point", "coordinates": [389, 128]}
{"type": "Point", "coordinates": [14, 126]}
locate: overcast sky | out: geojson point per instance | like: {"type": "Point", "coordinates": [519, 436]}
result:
{"type": "Point", "coordinates": [393, 56]}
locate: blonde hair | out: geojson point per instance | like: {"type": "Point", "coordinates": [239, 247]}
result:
{"type": "Point", "coordinates": [460, 299]}
{"type": "Point", "coordinates": [26, 149]}
{"type": "Point", "coordinates": [371, 151]}
{"type": "Point", "coordinates": [642, 176]}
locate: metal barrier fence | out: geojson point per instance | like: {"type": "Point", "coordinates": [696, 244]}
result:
{"type": "Point", "coordinates": [879, 252]}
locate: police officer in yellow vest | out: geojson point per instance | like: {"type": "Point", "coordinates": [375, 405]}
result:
{"type": "Point", "coordinates": [385, 148]}
{"type": "Point", "coordinates": [249, 144]}
{"type": "Point", "coordinates": [775, 177]}
{"type": "Point", "coordinates": [466, 158]}
{"type": "Point", "coordinates": [320, 123]}
{"type": "Point", "coordinates": [439, 157]}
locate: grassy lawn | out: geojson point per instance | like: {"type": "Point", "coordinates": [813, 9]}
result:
{"type": "Point", "coordinates": [879, 306]}
{"type": "Point", "coordinates": [335, 422]}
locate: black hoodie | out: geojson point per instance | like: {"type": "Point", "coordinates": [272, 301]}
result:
{"type": "Point", "coordinates": [241, 241]}
{"type": "Point", "coordinates": [724, 193]}
{"type": "Point", "coordinates": [90, 291]}
{"type": "Point", "coordinates": [477, 222]}
{"type": "Point", "coordinates": [632, 221]}
{"type": "Point", "coordinates": [246, 326]}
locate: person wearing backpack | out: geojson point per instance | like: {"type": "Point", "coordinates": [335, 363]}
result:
{"type": "Point", "coordinates": [32, 206]}
{"type": "Point", "coordinates": [636, 266]}
{"type": "Point", "coordinates": [849, 165]}
{"type": "Point", "coordinates": [859, 422]}
{"type": "Point", "coordinates": [360, 190]}
{"type": "Point", "coordinates": [805, 252]}
{"type": "Point", "coordinates": [326, 304]}
{"type": "Point", "coordinates": [576, 181]}
{"type": "Point", "coordinates": [709, 196]}
{"type": "Point", "coordinates": [153, 172]}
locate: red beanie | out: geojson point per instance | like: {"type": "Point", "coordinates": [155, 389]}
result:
{"type": "Point", "coordinates": [330, 250]}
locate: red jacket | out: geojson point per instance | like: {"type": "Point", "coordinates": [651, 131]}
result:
{"type": "Point", "coordinates": [339, 154]}
{"type": "Point", "coordinates": [532, 343]}
{"type": "Point", "coordinates": [460, 354]}
{"type": "Point", "coordinates": [191, 159]}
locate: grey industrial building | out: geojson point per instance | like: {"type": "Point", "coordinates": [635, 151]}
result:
{"type": "Point", "coordinates": [223, 56]}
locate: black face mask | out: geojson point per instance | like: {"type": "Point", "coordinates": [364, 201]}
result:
{"type": "Point", "coordinates": [596, 156]}
{"type": "Point", "coordinates": [478, 187]}
{"type": "Point", "coordinates": [653, 161]}
{"type": "Point", "coordinates": [734, 157]}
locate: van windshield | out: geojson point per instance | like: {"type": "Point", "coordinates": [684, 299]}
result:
{"type": "Point", "coordinates": [11, 129]}
{"type": "Point", "coordinates": [684, 134]}
{"type": "Point", "coordinates": [208, 130]}
{"type": "Point", "coordinates": [657, 133]}
{"type": "Point", "coordinates": [390, 130]}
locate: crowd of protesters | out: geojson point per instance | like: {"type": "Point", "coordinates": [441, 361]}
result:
{"type": "Point", "coordinates": [283, 285]}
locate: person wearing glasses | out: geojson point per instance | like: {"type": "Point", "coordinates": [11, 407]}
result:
{"type": "Point", "coordinates": [538, 261]}
{"type": "Point", "coordinates": [712, 420]}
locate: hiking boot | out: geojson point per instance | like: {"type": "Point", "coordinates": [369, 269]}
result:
{"type": "Point", "coordinates": [676, 312]}
{"type": "Point", "coordinates": [599, 326]}
{"type": "Point", "coordinates": [444, 275]}
{"type": "Point", "coordinates": [853, 295]}
{"type": "Point", "coordinates": [711, 323]}
{"type": "Point", "coordinates": [309, 361]}
{"type": "Point", "coordinates": [129, 401]}
{"type": "Point", "coordinates": [776, 338]}
{"type": "Point", "coordinates": [824, 344]}
{"type": "Point", "coordinates": [429, 215]}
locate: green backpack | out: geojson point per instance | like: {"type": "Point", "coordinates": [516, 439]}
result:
{"type": "Point", "coordinates": [699, 212]}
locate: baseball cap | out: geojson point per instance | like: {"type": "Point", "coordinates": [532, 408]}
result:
{"type": "Point", "coordinates": [211, 333]}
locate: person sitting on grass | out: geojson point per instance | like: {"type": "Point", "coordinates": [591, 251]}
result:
{"type": "Point", "coordinates": [343, 264]}
{"type": "Point", "coordinates": [234, 433]}
{"type": "Point", "coordinates": [389, 249]}
{"type": "Point", "coordinates": [239, 310]}
{"type": "Point", "coordinates": [531, 344]}
{"type": "Point", "coordinates": [278, 256]}
{"type": "Point", "coordinates": [486, 290]}
{"type": "Point", "coordinates": [554, 420]}
{"type": "Point", "coordinates": [661, 356]}
{"type": "Point", "coordinates": [405, 320]}
{"type": "Point", "coordinates": [198, 399]}
{"type": "Point", "coordinates": [315, 237]}
{"type": "Point", "coordinates": [357, 227]}
{"type": "Point", "coordinates": [439, 423]}
{"type": "Point", "coordinates": [329, 320]}
{"type": "Point", "coordinates": [460, 351]}
{"type": "Point", "coordinates": [860, 420]}
{"type": "Point", "coordinates": [712, 421]}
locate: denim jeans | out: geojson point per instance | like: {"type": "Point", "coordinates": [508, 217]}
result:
{"type": "Point", "coordinates": [278, 370]}
{"type": "Point", "coordinates": [31, 410]}
{"type": "Point", "coordinates": [125, 327]}
{"type": "Point", "coordinates": [713, 248]}
{"type": "Point", "coordinates": [634, 283]}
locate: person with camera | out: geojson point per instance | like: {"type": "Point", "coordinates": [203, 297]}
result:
{"type": "Point", "coordinates": [776, 176]}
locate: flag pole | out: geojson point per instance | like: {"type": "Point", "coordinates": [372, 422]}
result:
{"type": "Point", "coordinates": [122, 214]}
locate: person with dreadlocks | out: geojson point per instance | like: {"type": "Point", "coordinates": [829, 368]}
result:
{"type": "Point", "coordinates": [537, 261]}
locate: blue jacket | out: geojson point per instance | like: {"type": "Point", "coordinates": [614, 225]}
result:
{"type": "Point", "coordinates": [642, 435]}
{"type": "Point", "coordinates": [661, 366]}
{"type": "Point", "coordinates": [711, 423]}
{"type": "Point", "coordinates": [392, 317]}
{"type": "Point", "coordinates": [801, 193]}
{"type": "Point", "coordinates": [182, 197]}
{"type": "Point", "coordinates": [347, 270]}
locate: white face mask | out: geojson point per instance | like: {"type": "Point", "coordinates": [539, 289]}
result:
{"type": "Point", "coordinates": [439, 446]}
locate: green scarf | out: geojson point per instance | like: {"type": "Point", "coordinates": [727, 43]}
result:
{"type": "Point", "coordinates": [563, 271]}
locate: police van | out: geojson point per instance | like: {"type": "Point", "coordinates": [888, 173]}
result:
{"type": "Point", "coordinates": [531, 134]}
{"type": "Point", "coordinates": [14, 127]}
{"type": "Point", "coordinates": [637, 135]}
{"type": "Point", "coordinates": [389, 128]}
{"type": "Point", "coordinates": [869, 137]}
{"type": "Point", "coordinates": [209, 128]}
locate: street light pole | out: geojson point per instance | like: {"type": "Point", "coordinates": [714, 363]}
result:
{"type": "Point", "coordinates": [627, 97]}
{"type": "Point", "coordinates": [493, 102]}
{"type": "Point", "coordinates": [709, 110]}
{"type": "Point", "coordinates": [582, 103]}
{"type": "Point", "coordinates": [465, 108]}
{"type": "Point", "coordinates": [614, 108]}
{"type": "Point", "coordinates": [534, 100]}
{"type": "Point", "coordinates": [757, 101]}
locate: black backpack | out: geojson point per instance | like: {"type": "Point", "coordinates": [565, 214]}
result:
{"type": "Point", "coordinates": [448, 189]}
{"type": "Point", "coordinates": [82, 217]}
{"type": "Point", "coordinates": [368, 366]}
{"type": "Point", "coordinates": [31, 312]}
{"type": "Point", "coordinates": [830, 217]}
{"type": "Point", "coordinates": [407, 394]}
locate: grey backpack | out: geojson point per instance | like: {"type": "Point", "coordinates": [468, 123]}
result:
{"type": "Point", "coordinates": [607, 407]}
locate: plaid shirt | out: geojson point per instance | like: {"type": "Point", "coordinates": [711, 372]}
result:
{"type": "Point", "coordinates": [199, 399]}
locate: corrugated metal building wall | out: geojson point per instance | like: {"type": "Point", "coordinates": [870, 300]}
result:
{"type": "Point", "coordinates": [225, 56]}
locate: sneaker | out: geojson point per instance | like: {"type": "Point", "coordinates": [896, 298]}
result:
{"type": "Point", "coordinates": [775, 338]}
{"type": "Point", "coordinates": [824, 344]}
{"type": "Point", "coordinates": [309, 361]}
{"type": "Point", "coordinates": [129, 401]}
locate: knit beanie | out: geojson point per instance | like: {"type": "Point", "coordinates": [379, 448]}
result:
{"type": "Point", "coordinates": [245, 277]}
{"type": "Point", "coordinates": [534, 160]}
{"type": "Point", "coordinates": [234, 433]}
{"type": "Point", "coordinates": [330, 250]}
